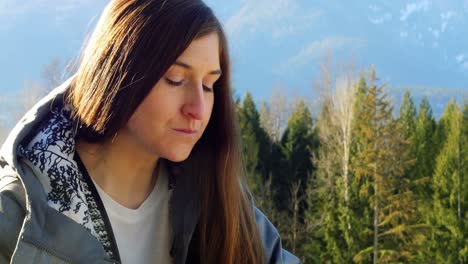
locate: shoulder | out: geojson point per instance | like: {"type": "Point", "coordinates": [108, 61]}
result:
{"type": "Point", "coordinates": [271, 240]}
{"type": "Point", "coordinates": [12, 211]}
{"type": "Point", "coordinates": [274, 252]}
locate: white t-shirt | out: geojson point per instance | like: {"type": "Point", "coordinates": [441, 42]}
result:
{"type": "Point", "coordinates": [143, 235]}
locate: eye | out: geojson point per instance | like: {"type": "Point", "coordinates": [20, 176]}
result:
{"type": "Point", "coordinates": [174, 83]}
{"type": "Point", "coordinates": [207, 89]}
{"type": "Point", "coordinates": [210, 85]}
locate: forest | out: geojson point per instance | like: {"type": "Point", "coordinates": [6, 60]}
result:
{"type": "Point", "coordinates": [360, 181]}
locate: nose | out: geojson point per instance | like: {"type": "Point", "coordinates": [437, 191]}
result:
{"type": "Point", "coordinates": [195, 104]}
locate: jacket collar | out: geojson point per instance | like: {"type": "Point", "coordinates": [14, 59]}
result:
{"type": "Point", "coordinates": [41, 221]}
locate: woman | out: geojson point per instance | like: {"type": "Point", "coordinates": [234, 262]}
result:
{"type": "Point", "coordinates": [136, 158]}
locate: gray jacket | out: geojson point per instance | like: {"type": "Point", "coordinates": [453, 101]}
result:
{"type": "Point", "coordinates": [31, 231]}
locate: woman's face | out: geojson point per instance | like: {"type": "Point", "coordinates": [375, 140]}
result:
{"type": "Point", "coordinates": [172, 118]}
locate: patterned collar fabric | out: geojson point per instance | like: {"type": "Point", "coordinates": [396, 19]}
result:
{"type": "Point", "coordinates": [66, 184]}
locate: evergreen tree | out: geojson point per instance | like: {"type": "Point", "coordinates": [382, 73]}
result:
{"type": "Point", "coordinates": [447, 215]}
{"type": "Point", "coordinates": [381, 160]}
{"type": "Point", "coordinates": [440, 137]}
{"type": "Point", "coordinates": [297, 144]}
{"type": "Point", "coordinates": [424, 153]}
{"type": "Point", "coordinates": [407, 120]}
{"type": "Point", "coordinates": [248, 119]}
{"type": "Point", "coordinates": [464, 183]}
{"type": "Point", "coordinates": [408, 116]}
{"type": "Point", "coordinates": [424, 144]}
{"type": "Point", "coordinates": [256, 146]}
{"type": "Point", "coordinates": [257, 155]}
{"type": "Point", "coordinates": [327, 242]}
{"type": "Point", "coordinates": [361, 211]}
{"type": "Point", "coordinates": [294, 163]}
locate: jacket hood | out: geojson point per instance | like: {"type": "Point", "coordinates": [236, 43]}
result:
{"type": "Point", "coordinates": [41, 221]}
{"type": "Point", "coordinates": [68, 189]}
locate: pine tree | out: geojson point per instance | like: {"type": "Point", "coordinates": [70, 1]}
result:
{"type": "Point", "coordinates": [365, 165]}
{"type": "Point", "coordinates": [423, 152]}
{"type": "Point", "coordinates": [248, 118]}
{"type": "Point", "coordinates": [408, 116]}
{"type": "Point", "coordinates": [447, 215]}
{"type": "Point", "coordinates": [326, 243]}
{"type": "Point", "coordinates": [379, 167]}
{"type": "Point", "coordinates": [256, 145]}
{"type": "Point", "coordinates": [258, 155]}
{"type": "Point", "coordinates": [407, 120]}
{"type": "Point", "coordinates": [297, 145]}
{"type": "Point", "coordinates": [361, 210]}
{"type": "Point", "coordinates": [464, 183]}
{"type": "Point", "coordinates": [424, 144]}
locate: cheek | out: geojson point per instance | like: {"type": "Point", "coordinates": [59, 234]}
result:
{"type": "Point", "coordinates": [151, 109]}
{"type": "Point", "coordinates": [135, 124]}
{"type": "Point", "coordinates": [209, 111]}
{"type": "Point", "coordinates": [141, 117]}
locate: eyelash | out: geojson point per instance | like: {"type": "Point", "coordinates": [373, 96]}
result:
{"type": "Point", "coordinates": [179, 83]}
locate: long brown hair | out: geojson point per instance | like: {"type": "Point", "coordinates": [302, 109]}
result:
{"type": "Point", "coordinates": [133, 45]}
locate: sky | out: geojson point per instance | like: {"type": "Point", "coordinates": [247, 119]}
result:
{"type": "Point", "coordinates": [275, 44]}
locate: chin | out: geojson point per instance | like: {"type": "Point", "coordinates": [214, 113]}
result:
{"type": "Point", "coordinates": [178, 157]}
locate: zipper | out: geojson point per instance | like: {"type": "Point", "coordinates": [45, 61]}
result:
{"type": "Point", "coordinates": [100, 207]}
{"type": "Point", "coordinates": [47, 250]}
{"type": "Point", "coordinates": [51, 252]}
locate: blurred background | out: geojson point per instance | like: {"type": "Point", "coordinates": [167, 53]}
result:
{"type": "Point", "coordinates": [353, 115]}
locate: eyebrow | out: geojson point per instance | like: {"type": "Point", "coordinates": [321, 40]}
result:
{"type": "Point", "coordinates": [185, 65]}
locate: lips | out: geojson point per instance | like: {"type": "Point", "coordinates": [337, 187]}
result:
{"type": "Point", "coordinates": [186, 131]}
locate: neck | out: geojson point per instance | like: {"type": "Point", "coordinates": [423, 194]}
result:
{"type": "Point", "coordinates": [121, 169]}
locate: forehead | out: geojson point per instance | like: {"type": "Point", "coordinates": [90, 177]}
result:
{"type": "Point", "coordinates": [202, 52]}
